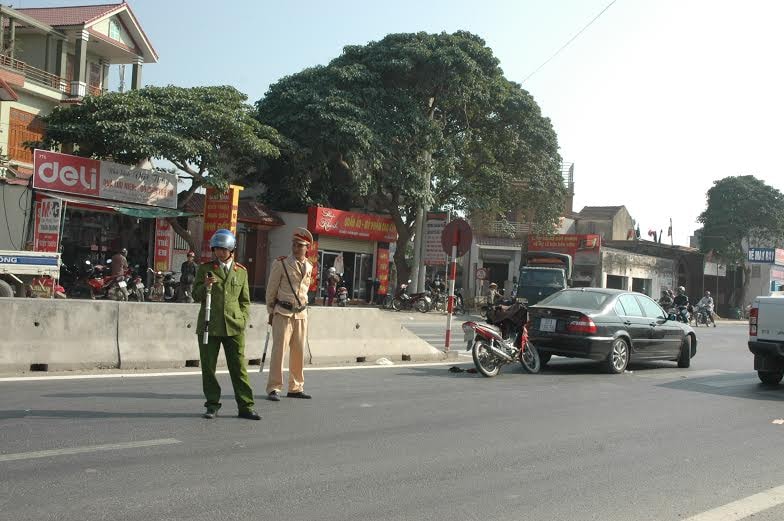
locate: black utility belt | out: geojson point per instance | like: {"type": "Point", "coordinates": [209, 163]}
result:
{"type": "Point", "coordinates": [292, 307]}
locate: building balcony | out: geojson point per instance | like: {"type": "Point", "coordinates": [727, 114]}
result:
{"type": "Point", "coordinates": [505, 229]}
{"type": "Point", "coordinates": [33, 74]}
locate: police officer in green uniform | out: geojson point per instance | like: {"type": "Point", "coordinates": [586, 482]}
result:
{"type": "Point", "coordinates": [227, 281]}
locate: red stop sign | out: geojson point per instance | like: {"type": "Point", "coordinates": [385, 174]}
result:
{"type": "Point", "coordinates": [457, 232]}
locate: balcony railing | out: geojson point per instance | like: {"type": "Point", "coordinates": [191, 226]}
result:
{"type": "Point", "coordinates": [506, 229]}
{"type": "Point", "coordinates": [34, 74]}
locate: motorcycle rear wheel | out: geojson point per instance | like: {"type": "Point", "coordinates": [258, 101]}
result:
{"type": "Point", "coordinates": [484, 360]}
{"type": "Point", "coordinates": [421, 306]}
{"type": "Point", "coordinates": [530, 359]}
{"type": "Point", "coordinates": [397, 304]}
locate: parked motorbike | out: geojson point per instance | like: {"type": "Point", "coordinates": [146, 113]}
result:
{"type": "Point", "coordinates": [103, 285]}
{"type": "Point", "coordinates": [136, 286]}
{"type": "Point", "coordinates": [502, 340]}
{"type": "Point", "coordinates": [419, 301]}
{"type": "Point", "coordinates": [341, 296]}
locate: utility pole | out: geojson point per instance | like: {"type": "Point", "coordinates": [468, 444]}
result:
{"type": "Point", "coordinates": [414, 286]}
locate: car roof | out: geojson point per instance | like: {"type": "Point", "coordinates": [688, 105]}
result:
{"type": "Point", "coordinates": [606, 291]}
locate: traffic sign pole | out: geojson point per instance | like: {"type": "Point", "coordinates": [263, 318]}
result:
{"type": "Point", "coordinates": [451, 302]}
{"type": "Point", "coordinates": [455, 239]}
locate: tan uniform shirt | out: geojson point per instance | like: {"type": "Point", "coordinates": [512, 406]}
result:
{"type": "Point", "coordinates": [279, 290]}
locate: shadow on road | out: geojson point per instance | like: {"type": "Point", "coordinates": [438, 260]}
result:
{"type": "Point", "coordinates": [743, 385]}
{"type": "Point", "coordinates": [148, 396]}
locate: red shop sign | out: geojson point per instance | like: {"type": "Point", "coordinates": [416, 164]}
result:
{"type": "Point", "coordinates": [351, 225]}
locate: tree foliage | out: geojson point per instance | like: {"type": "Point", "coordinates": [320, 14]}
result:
{"type": "Point", "coordinates": [210, 134]}
{"type": "Point", "coordinates": [741, 210]}
{"type": "Point", "coordinates": [369, 128]}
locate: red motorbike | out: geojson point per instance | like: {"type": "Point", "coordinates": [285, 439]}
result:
{"type": "Point", "coordinates": [502, 340]}
{"type": "Point", "coordinates": [106, 286]}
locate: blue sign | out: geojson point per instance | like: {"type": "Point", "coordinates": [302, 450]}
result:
{"type": "Point", "coordinates": [28, 261]}
{"type": "Point", "coordinates": [764, 255]}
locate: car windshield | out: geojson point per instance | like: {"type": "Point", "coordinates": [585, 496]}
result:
{"type": "Point", "coordinates": [543, 278]}
{"type": "Point", "coordinates": [576, 299]}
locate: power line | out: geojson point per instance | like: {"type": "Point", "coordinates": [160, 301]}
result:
{"type": "Point", "coordinates": [573, 38]}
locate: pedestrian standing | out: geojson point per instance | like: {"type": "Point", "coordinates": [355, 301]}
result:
{"type": "Point", "coordinates": [227, 282]}
{"type": "Point", "coordinates": [333, 279]}
{"type": "Point", "coordinates": [287, 291]}
{"type": "Point", "coordinates": [187, 278]}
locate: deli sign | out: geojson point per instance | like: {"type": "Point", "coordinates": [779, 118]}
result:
{"type": "Point", "coordinates": [102, 179]}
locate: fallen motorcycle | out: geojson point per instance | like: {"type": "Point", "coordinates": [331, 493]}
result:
{"type": "Point", "coordinates": [502, 340]}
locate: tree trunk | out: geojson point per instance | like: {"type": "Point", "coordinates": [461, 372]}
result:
{"type": "Point", "coordinates": [185, 234]}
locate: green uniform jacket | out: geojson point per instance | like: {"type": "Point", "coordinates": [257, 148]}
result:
{"type": "Point", "coordinates": [230, 306]}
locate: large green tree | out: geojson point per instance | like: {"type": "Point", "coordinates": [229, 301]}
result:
{"type": "Point", "coordinates": [210, 134]}
{"type": "Point", "coordinates": [374, 125]}
{"type": "Point", "coordinates": [742, 210]}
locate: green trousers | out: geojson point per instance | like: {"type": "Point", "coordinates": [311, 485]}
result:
{"type": "Point", "coordinates": [234, 349]}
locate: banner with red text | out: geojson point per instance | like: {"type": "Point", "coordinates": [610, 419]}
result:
{"type": "Point", "coordinates": [221, 210]}
{"type": "Point", "coordinates": [351, 225]}
{"type": "Point", "coordinates": [382, 270]}
{"type": "Point", "coordinates": [48, 215]}
{"type": "Point", "coordinates": [164, 239]}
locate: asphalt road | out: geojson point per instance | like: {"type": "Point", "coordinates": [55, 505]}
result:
{"type": "Point", "coordinates": [405, 443]}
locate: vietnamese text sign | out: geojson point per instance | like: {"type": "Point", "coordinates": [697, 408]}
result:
{"type": "Point", "coordinates": [102, 179]}
{"type": "Point", "coordinates": [382, 270]}
{"type": "Point", "coordinates": [163, 245]}
{"type": "Point", "coordinates": [584, 249]}
{"type": "Point", "coordinates": [434, 226]}
{"type": "Point", "coordinates": [221, 210]}
{"type": "Point", "coordinates": [48, 212]}
{"type": "Point", "coordinates": [351, 225]}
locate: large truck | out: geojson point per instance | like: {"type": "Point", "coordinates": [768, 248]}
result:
{"type": "Point", "coordinates": [543, 273]}
{"type": "Point", "coordinates": [766, 338]}
{"type": "Point", "coordinates": [19, 269]}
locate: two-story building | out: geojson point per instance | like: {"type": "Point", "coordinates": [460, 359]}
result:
{"type": "Point", "coordinates": [50, 57]}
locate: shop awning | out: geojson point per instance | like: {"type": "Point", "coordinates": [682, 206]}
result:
{"type": "Point", "coordinates": [129, 209]}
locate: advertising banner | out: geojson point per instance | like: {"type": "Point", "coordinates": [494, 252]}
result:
{"type": "Point", "coordinates": [313, 257]}
{"type": "Point", "coordinates": [382, 270]}
{"type": "Point", "coordinates": [164, 239]}
{"type": "Point", "coordinates": [762, 255]}
{"type": "Point", "coordinates": [351, 225]}
{"type": "Point", "coordinates": [434, 226]}
{"type": "Point", "coordinates": [48, 213]}
{"type": "Point", "coordinates": [584, 249]}
{"type": "Point", "coordinates": [102, 179]}
{"type": "Point", "coordinates": [220, 211]}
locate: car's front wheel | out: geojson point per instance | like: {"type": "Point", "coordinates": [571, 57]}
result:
{"type": "Point", "coordinates": [770, 377]}
{"type": "Point", "coordinates": [684, 360]}
{"type": "Point", "coordinates": [618, 358]}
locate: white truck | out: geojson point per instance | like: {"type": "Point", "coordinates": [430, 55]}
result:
{"type": "Point", "coordinates": [19, 268]}
{"type": "Point", "coordinates": [766, 338]}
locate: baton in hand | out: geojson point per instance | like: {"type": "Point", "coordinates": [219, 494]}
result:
{"type": "Point", "coordinates": [207, 304]}
{"type": "Point", "coordinates": [266, 344]}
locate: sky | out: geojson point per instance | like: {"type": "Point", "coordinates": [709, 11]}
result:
{"type": "Point", "coordinates": [655, 101]}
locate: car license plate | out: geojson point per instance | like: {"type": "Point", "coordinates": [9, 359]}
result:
{"type": "Point", "coordinates": [547, 324]}
{"type": "Point", "coordinates": [139, 285]}
{"type": "Point", "coordinates": [122, 284]}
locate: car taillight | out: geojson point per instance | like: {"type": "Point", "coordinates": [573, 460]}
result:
{"type": "Point", "coordinates": [753, 319]}
{"type": "Point", "coordinates": [583, 324]}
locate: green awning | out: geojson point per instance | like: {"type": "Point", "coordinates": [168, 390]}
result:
{"type": "Point", "coordinates": [150, 213]}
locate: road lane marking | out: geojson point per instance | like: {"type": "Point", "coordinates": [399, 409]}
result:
{"type": "Point", "coordinates": [80, 450]}
{"type": "Point", "coordinates": [743, 508]}
{"type": "Point", "coordinates": [222, 371]}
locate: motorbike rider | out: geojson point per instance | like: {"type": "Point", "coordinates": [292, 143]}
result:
{"type": "Point", "coordinates": [706, 303]}
{"type": "Point", "coordinates": [120, 262]}
{"type": "Point", "coordinates": [681, 301]}
{"type": "Point", "coordinates": [187, 277]}
{"type": "Point", "coordinates": [666, 300]}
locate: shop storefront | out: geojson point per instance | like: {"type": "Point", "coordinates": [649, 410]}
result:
{"type": "Point", "coordinates": [90, 209]}
{"type": "Point", "coordinates": [766, 272]}
{"type": "Point", "coordinates": [357, 245]}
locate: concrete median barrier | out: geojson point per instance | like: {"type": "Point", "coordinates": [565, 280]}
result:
{"type": "Point", "coordinates": [341, 335]}
{"type": "Point", "coordinates": [57, 335]}
{"type": "Point", "coordinates": [77, 334]}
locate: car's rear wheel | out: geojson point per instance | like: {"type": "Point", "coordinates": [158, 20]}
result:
{"type": "Point", "coordinates": [684, 360]}
{"type": "Point", "coordinates": [544, 358]}
{"type": "Point", "coordinates": [770, 377]}
{"type": "Point", "coordinates": [618, 358]}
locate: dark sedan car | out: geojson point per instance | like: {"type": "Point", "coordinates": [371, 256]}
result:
{"type": "Point", "coordinates": [609, 325]}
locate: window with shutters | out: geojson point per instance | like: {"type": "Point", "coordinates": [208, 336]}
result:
{"type": "Point", "coordinates": [23, 127]}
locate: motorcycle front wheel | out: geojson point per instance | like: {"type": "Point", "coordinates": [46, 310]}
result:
{"type": "Point", "coordinates": [422, 306]}
{"type": "Point", "coordinates": [484, 360]}
{"type": "Point", "coordinates": [530, 359]}
{"type": "Point", "coordinates": [397, 304]}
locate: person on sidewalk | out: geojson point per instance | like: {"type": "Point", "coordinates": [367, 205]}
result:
{"type": "Point", "coordinates": [333, 279]}
{"type": "Point", "coordinates": [287, 291]}
{"type": "Point", "coordinates": [227, 281]}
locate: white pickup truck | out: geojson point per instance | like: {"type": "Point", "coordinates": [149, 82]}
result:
{"type": "Point", "coordinates": [19, 268]}
{"type": "Point", "coordinates": [766, 338]}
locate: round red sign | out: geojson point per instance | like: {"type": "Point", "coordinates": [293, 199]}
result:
{"type": "Point", "coordinates": [457, 232]}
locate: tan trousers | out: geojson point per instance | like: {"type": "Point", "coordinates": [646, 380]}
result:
{"type": "Point", "coordinates": [287, 332]}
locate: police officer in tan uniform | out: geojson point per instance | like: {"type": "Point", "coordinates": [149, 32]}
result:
{"type": "Point", "coordinates": [287, 300]}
